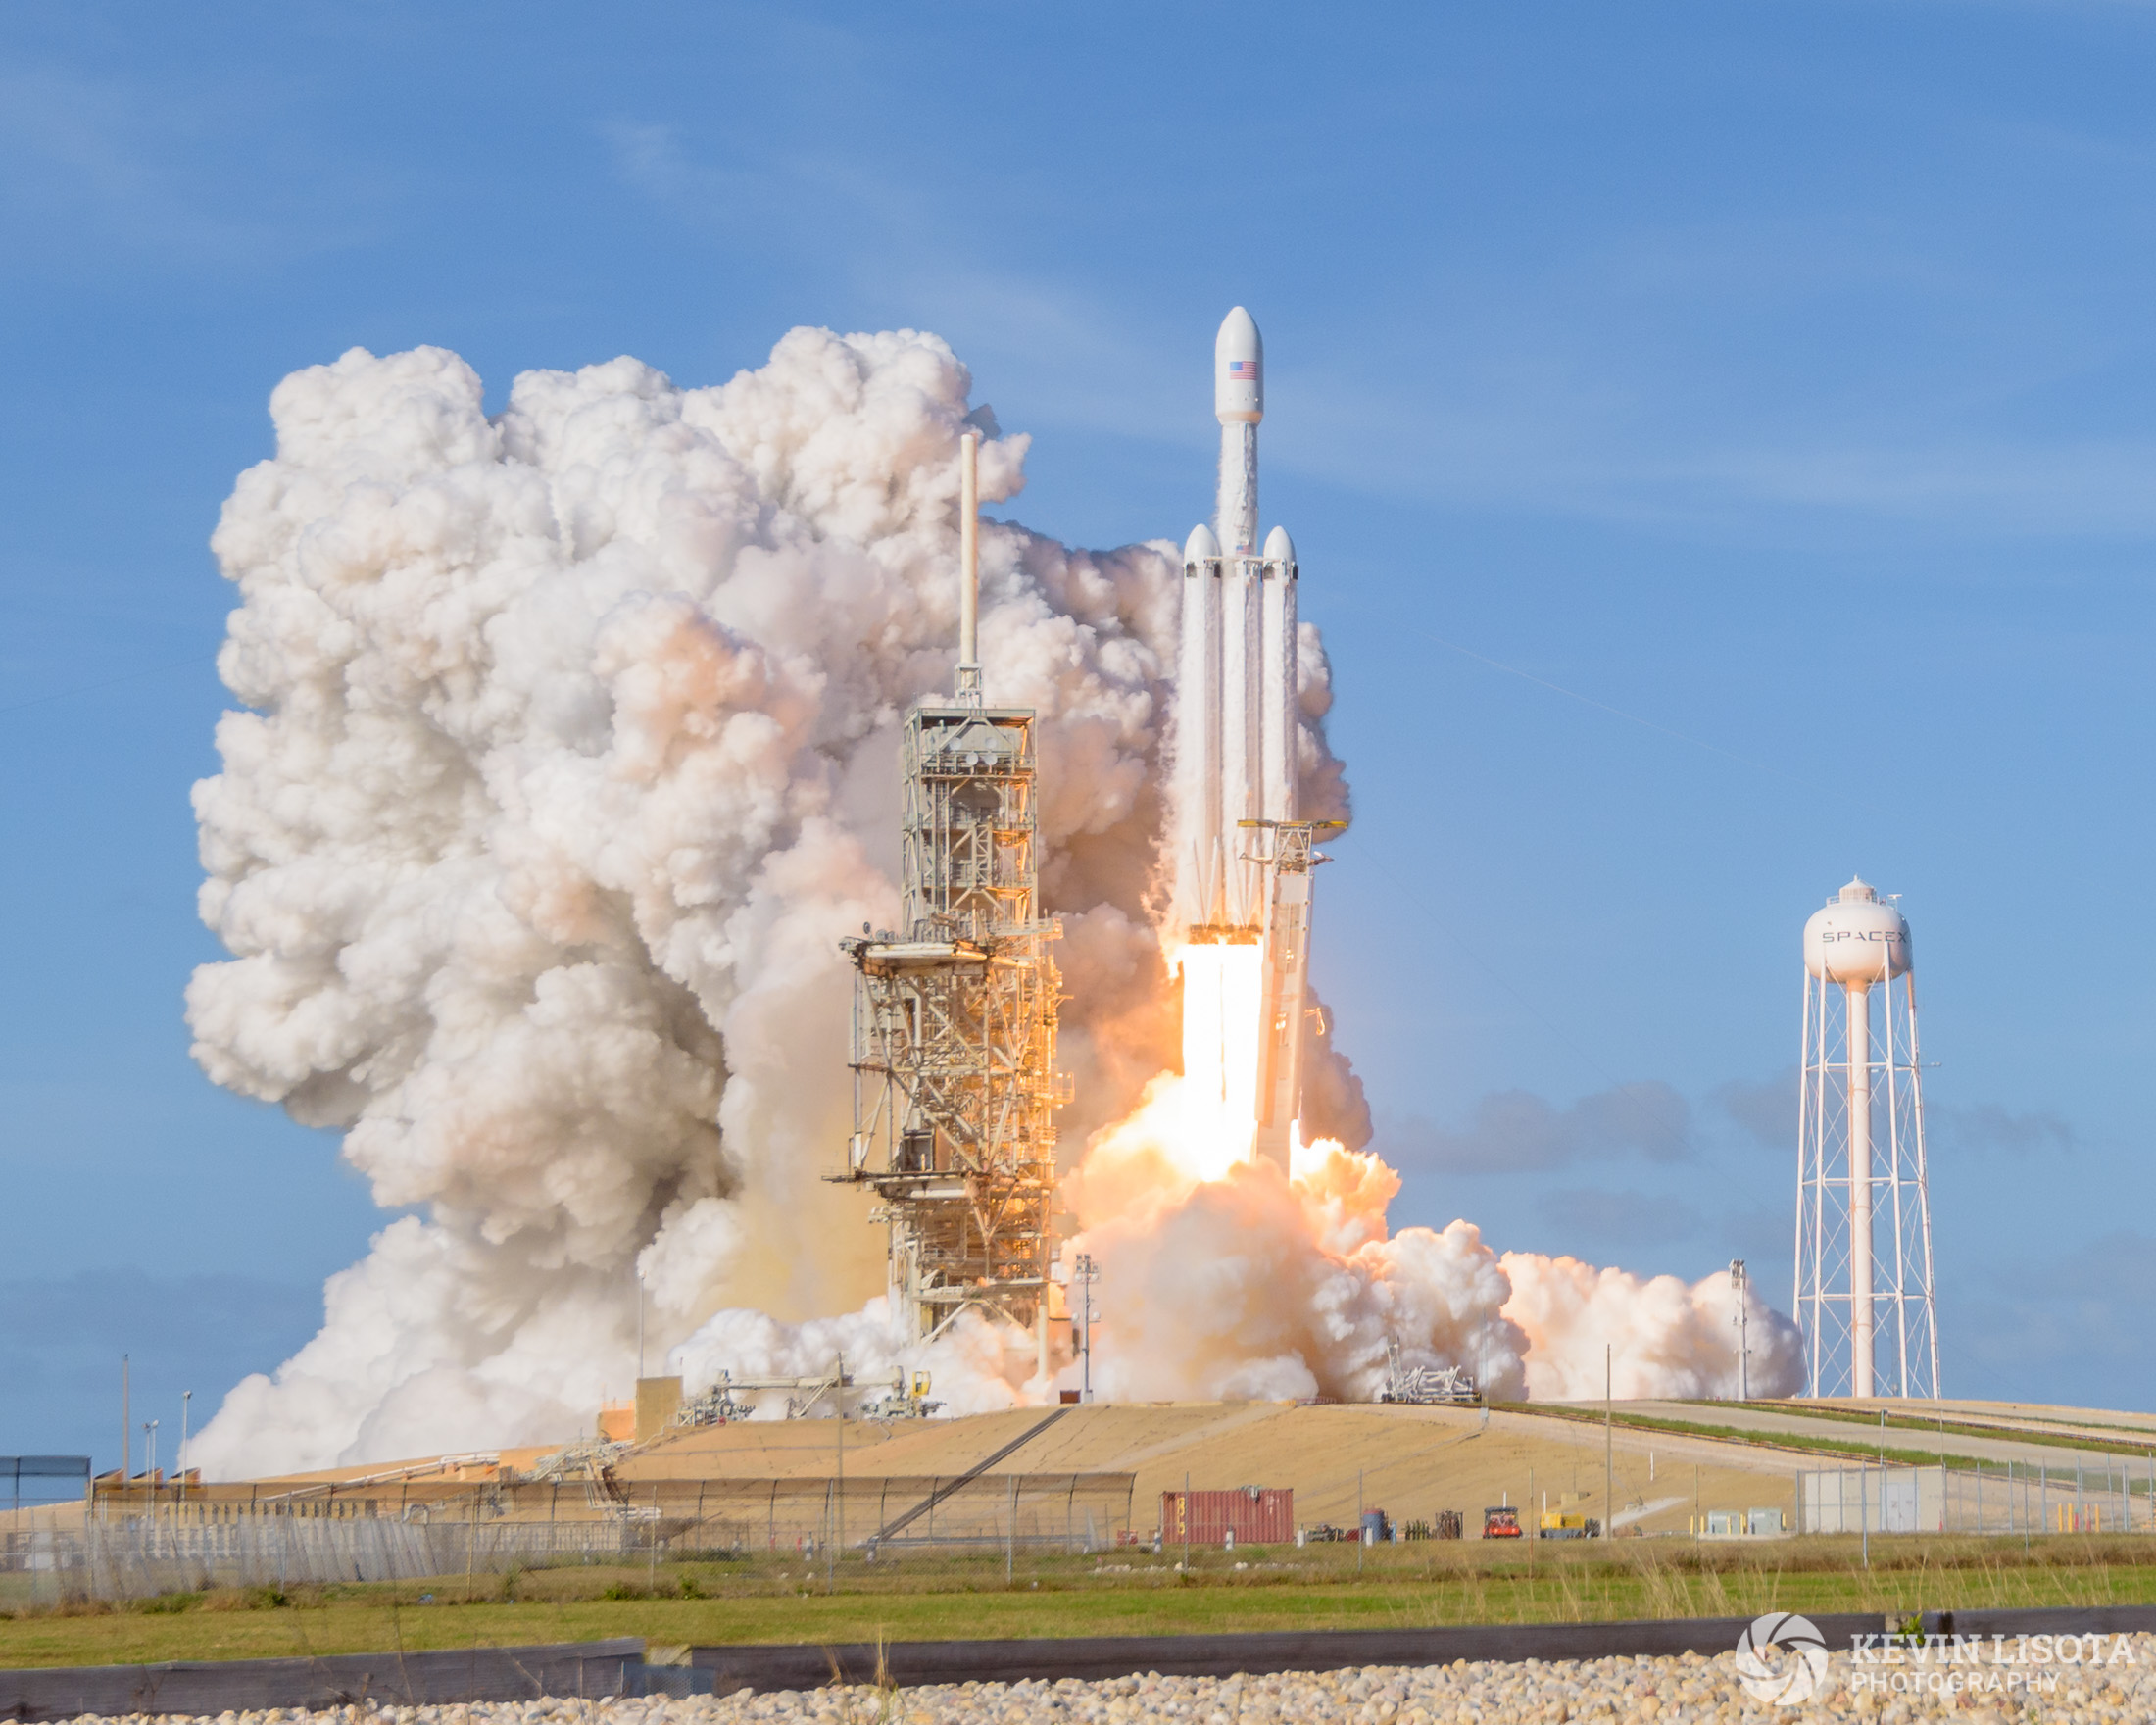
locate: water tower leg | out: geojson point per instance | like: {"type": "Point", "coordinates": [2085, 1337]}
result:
{"type": "Point", "coordinates": [1861, 1377]}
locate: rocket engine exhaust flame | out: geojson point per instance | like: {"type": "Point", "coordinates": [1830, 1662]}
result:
{"type": "Point", "coordinates": [1221, 986]}
{"type": "Point", "coordinates": [562, 765]}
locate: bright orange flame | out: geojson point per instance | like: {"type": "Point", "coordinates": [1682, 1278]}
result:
{"type": "Point", "coordinates": [1199, 1124]}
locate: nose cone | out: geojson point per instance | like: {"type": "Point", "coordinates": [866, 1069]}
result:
{"type": "Point", "coordinates": [1239, 370]}
{"type": "Point", "coordinates": [1279, 548]}
{"type": "Point", "coordinates": [1200, 545]}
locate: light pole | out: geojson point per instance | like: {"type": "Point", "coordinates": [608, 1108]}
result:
{"type": "Point", "coordinates": [179, 1459]}
{"type": "Point", "coordinates": [1740, 1286]}
{"type": "Point", "coordinates": [1087, 1273]}
{"type": "Point", "coordinates": [1609, 1441]}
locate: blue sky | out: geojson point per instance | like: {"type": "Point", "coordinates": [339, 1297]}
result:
{"type": "Point", "coordinates": [1720, 441]}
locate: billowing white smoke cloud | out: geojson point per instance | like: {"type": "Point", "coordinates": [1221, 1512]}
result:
{"type": "Point", "coordinates": [1668, 1338]}
{"type": "Point", "coordinates": [568, 764]}
{"type": "Point", "coordinates": [1258, 1286]}
{"type": "Point", "coordinates": [567, 758]}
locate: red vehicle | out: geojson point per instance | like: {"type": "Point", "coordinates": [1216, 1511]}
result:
{"type": "Point", "coordinates": [1502, 1523]}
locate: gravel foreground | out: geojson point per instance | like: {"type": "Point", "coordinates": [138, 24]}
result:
{"type": "Point", "coordinates": [2094, 1678]}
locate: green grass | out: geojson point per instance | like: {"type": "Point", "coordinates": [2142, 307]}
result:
{"type": "Point", "coordinates": [924, 1598]}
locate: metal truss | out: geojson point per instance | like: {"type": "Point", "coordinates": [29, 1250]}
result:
{"type": "Point", "coordinates": [954, 1033]}
{"type": "Point", "coordinates": [1905, 1318]}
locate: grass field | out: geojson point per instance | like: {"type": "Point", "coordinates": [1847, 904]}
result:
{"type": "Point", "coordinates": [1319, 1588]}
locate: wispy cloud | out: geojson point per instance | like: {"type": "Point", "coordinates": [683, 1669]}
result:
{"type": "Point", "coordinates": [1568, 449]}
{"type": "Point", "coordinates": [1623, 1218]}
{"type": "Point", "coordinates": [900, 247]}
{"type": "Point", "coordinates": [1986, 1128]}
{"type": "Point", "coordinates": [94, 166]}
{"type": "Point", "coordinates": [2050, 1329]}
{"type": "Point", "coordinates": [1633, 381]}
{"type": "Point", "coordinates": [1766, 1110]}
{"type": "Point", "coordinates": [1516, 1132]}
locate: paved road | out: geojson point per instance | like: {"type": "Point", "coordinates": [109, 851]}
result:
{"type": "Point", "coordinates": [2055, 1457]}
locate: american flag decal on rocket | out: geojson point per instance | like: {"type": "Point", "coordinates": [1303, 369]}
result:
{"type": "Point", "coordinates": [1243, 368]}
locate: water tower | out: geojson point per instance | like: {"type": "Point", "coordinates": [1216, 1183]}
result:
{"type": "Point", "coordinates": [1863, 1207]}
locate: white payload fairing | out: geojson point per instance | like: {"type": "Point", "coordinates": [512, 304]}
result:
{"type": "Point", "coordinates": [1243, 859]}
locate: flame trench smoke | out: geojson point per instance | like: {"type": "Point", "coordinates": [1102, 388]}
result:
{"type": "Point", "coordinates": [565, 759]}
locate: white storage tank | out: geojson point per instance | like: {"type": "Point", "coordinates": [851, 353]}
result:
{"type": "Point", "coordinates": [1858, 939]}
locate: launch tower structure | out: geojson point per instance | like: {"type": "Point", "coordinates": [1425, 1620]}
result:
{"type": "Point", "coordinates": [1864, 1288]}
{"type": "Point", "coordinates": [954, 1011]}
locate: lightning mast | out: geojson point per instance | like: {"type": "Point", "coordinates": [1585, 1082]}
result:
{"type": "Point", "coordinates": [955, 1012]}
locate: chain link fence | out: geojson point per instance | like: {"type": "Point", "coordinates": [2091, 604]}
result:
{"type": "Point", "coordinates": [2006, 1500]}
{"type": "Point", "coordinates": [138, 1542]}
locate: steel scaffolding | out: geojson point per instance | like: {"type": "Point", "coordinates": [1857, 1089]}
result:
{"type": "Point", "coordinates": [953, 1035]}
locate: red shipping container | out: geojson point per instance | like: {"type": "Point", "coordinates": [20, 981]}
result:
{"type": "Point", "coordinates": [1254, 1514]}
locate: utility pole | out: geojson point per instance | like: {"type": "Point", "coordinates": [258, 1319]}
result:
{"type": "Point", "coordinates": [1740, 1286]}
{"type": "Point", "coordinates": [1609, 1443]}
{"type": "Point", "coordinates": [1086, 1272]}
{"type": "Point", "coordinates": [126, 1430]}
{"type": "Point", "coordinates": [180, 1462]}
{"type": "Point", "coordinates": [838, 1509]}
